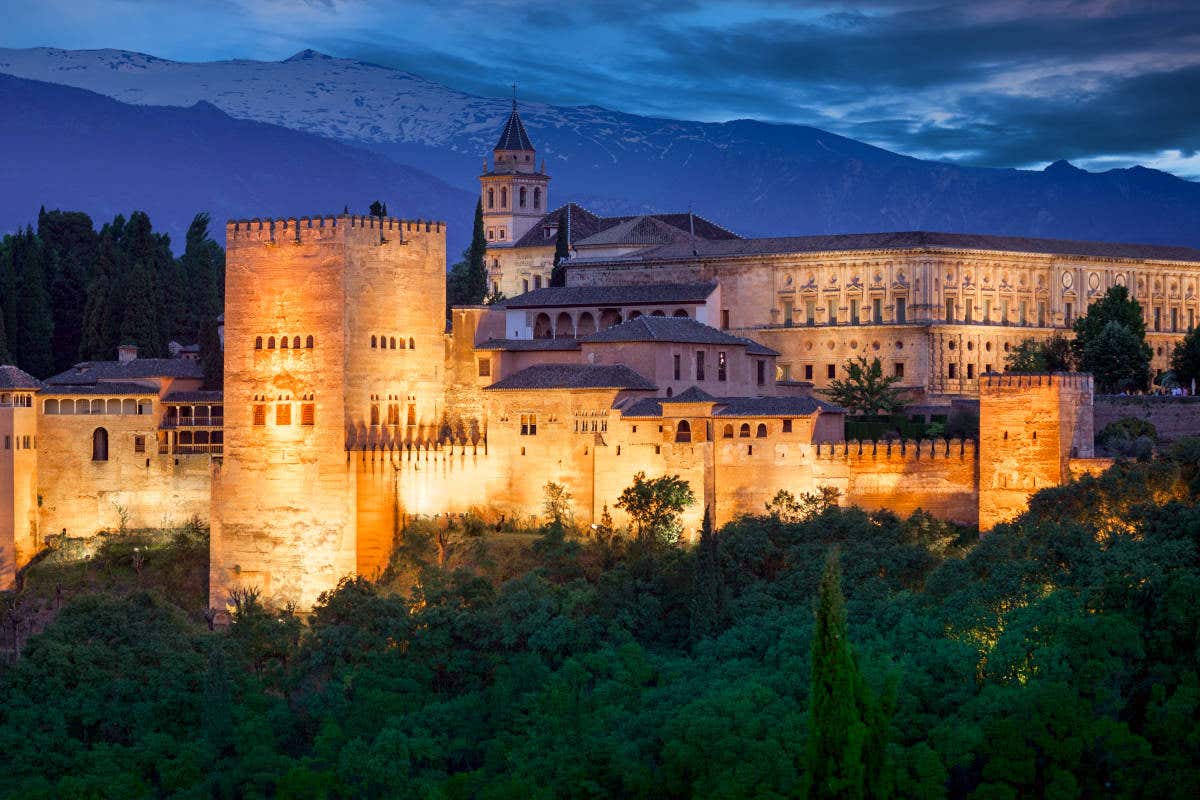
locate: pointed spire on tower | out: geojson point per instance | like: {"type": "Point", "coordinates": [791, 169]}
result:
{"type": "Point", "coordinates": [514, 137]}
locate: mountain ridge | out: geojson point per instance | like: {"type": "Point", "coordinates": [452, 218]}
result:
{"type": "Point", "coordinates": [760, 178]}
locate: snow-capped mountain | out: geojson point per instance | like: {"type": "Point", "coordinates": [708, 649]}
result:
{"type": "Point", "coordinates": [752, 177]}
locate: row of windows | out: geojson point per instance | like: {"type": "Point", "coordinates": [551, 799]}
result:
{"type": "Point", "coordinates": [16, 400]}
{"type": "Point", "coordinates": [592, 426]}
{"type": "Point", "coordinates": [141, 406]}
{"type": "Point", "coordinates": [393, 414]}
{"type": "Point", "coordinates": [522, 198]}
{"type": "Point", "coordinates": [23, 442]}
{"type": "Point", "coordinates": [391, 342]}
{"type": "Point", "coordinates": [810, 312]}
{"type": "Point", "coordinates": [783, 372]}
{"type": "Point", "coordinates": [283, 414]}
{"type": "Point", "coordinates": [283, 343]}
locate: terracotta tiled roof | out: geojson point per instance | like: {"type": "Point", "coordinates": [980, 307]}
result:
{"type": "Point", "coordinates": [680, 330]}
{"type": "Point", "coordinates": [87, 372]}
{"type": "Point", "coordinates": [575, 376]}
{"type": "Point", "coordinates": [773, 407]}
{"type": "Point", "coordinates": [631, 294]}
{"type": "Point", "coordinates": [529, 344]}
{"type": "Point", "coordinates": [16, 378]}
{"type": "Point", "coordinates": [904, 240]}
{"type": "Point", "coordinates": [194, 397]}
{"type": "Point", "coordinates": [693, 394]}
{"type": "Point", "coordinates": [585, 226]}
{"type": "Point", "coordinates": [102, 389]}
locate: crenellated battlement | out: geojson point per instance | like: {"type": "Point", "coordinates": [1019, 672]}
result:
{"type": "Point", "coordinates": [1001, 382]}
{"type": "Point", "coordinates": [897, 450]}
{"type": "Point", "coordinates": [341, 227]}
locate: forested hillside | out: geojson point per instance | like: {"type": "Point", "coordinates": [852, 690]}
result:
{"type": "Point", "coordinates": [1054, 657]}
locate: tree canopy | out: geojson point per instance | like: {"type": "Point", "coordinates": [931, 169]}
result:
{"type": "Point", "coordinates": [1110, 343]}
{"type": "Point", "coordinates": [1033, 356]}
{"type": "Point", "coordinates": [865, 389]}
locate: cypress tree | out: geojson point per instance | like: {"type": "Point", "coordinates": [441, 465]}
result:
{"type": "Point", "coordinates": [476, 258]}
{"type": "Point", "coordinates": [33, 324]}
{"type": "Point", "coordinates": [707, 588]}
{"type": "Point", "coordinates": [71, 248]}
{"type": "Point", "coordinates": [103, 308]}
{"type": "Point", "coordinates": [562, 251]}
{"type": "Point", "coordinates": [5, 358]}
{"type": "Point", "coordinates": [212, 357]}
{"type": "Point", "coordinates": [845, 737]}
{"type": "Point", "coordinates": [201, 274]}
{"type": "Point", "coordinates": [140, 324]}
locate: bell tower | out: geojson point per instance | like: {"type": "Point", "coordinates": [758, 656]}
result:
{"type": "Point", "coordinates": [515, 193]}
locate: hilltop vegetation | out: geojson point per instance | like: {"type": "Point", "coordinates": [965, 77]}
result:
{"type": "Point", "coordinates": [1053, 657]}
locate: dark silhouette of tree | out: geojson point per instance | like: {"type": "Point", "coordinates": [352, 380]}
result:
{"type": "Point", "coordinates": [865, 389]}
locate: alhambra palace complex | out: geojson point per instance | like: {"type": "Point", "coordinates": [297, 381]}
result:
{"type": "Point", "coordinates": [676, 347]}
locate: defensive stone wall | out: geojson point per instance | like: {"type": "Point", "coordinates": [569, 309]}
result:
{"type": "Point", "coordinates": [939, 476]}
{"type": "Point", "coordinates": [19, 531]}
{"type": "Point", "coordinates": [1173, 417]}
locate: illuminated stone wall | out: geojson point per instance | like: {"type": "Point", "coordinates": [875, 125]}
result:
{"type": "Point", "coordinates": [285, 499]}
{"type": "Point", "coordinates": [19, 535]}
{"type": "Point", "coordinates": [1172, 417]}
{"type": "Point", "coordinates": [1030, 427]}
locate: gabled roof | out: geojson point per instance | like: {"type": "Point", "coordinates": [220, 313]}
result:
{"type": "Point", "coordinates": [693, 394]}
{"type": "Point", "coordinates": [679, 330]}
{"type": "Point", "coordinates": [625, 294]}
{"type": "Point", "coordinates": [773, 407]}
{"type": "Point", "coordinates": [708, 247]}
{"type": "Point", "coordinates": [575, 376]}
{"type": "Point", "coordinates": [585, 225]}
{"type": "Point", "coordinates": [104, 389]}
{"type": "Point", "coordinates": [529, 344]}
{"type": "Point", "coordinates": [643, 230]}
{"type": "Point", "coordinates": [16, 378]}
{"type": "Point", "coordinates": [514, 137]}
{"type": "Point", "coordinates": [88, 372]}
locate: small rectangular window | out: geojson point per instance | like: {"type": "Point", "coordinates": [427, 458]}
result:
{"type": "Point", "coordinates": [699, 365]}
{"type": "Point", "coordinates": [724, 318]}
{"type": "Point", "coordinates": [1004, 312]}
{"type": "Point", "coordinates": [485, 367]}
{"type": "Point", "coordinates": [970, 371]}
{"type": "Point", "coordinates": [722, 366]}
{"type": "Point", "coordinates": [1041, 314]}
{"type": "Point", "coordinates": [987, 309]}
{"type": "Point", "coordinates": [1024, 308]}
{"type": "Point", "coordinates": [949, 309]}
{"type": "Point", "coordinates": [898, 369]}
{"type": "Point", "coordinates": [677, 361]}
{"type": "Point", "coordinates": [307, 414]}
{"type": "Point", "coordinates": [529, 424]}
{"type": "Point", "coordinates": [374, 413]}
{"type": "Point", "coordinates": [139, 444]}
{"type": "Point", "coordinates": [810, 312]}
{"type": "Point", "coordinates": [7, 442]}
{"type": "Point", "coordinates": [952, 371]}
{"type": "Point", "coordinates": [787, 426]}
{"type": "Point", "coordinates": [854, 320]}
{"type": "Point", "coordinates": [283, 414]}
{"type": "Point", "coordinates": [1191, 318]}
{"type": "Point", "coordinates": [877, 310]}
{"type": "Point", "coordinates": [783, 372]}
{"type": "Point", "coordinates": [1067, 313]}
{"type": "Point", "coordinates": [808, 372]}
{"type": "Point", "coordinates": [833, 312]}
{"type": "Point", "coordinates": [831, 371]}
{"type": "Point", "coordinates": [537, 281]}
{"type": "Point", "coordinates": [260, 415]}
{"type": "Point", "coordinates": [393, 414]}
{"type": "Point", "coordinates": [787, 313]}
{"type": "Point", "coordinates": [901, 309]}
{"type": "Point", "coordinates": [969, 312]}
{"type": "Point", "coordinates": [760, 369]}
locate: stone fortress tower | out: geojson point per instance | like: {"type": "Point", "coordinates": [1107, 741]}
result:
{"type": "Point", "coordinates": [334, 333]}
{"type": "Point", "coordinates": [514, 192]}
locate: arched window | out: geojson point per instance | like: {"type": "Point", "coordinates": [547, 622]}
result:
{"type": "Point", "coordinates": [129, 406]}
{"type": "Point", "coordinates": [542, 329]}
{"type": "Point", "coordinates": [537, 197]}
{"type": "Point", "coordinates": [283, 343]}
{"type": "Point", "coordinates": [761, 433]}
{"type": "Point", "coordinates": [99, 445]}
{"type": "Point", "coordinates": [565, 328]}
{"type": "Point", "coordinates": [295, 342]}
{"type": "Point", "coordinates": [609, 317]}
{"type": "Point", "coordinates": [634, 315]}
{"type": "Point", "coordinates": [114, 407]}
{"type": "Point", "coordinates": [521, 195]}
{"type": "Point", "coordinates": [586, 324]}
{"type": "Point", "coordinates": [658, 312]}
{"type": "Point", "coordinates": [270, 342]}
{"type": "Point", "coordinates": [50, 407]}
{"type": "Point", "coordinates": [683, 432]}
{"type": "Point", "coordinates": [728, 432]}
{"type": "Point", "coordinates": [374, 342]}
{"type": "Point", "coordinates": [308, 343]}
{"type": "Point", "coordinates": [412, 415]}
{"type": "Point", "coordinates": [679, 312]}
{"type": "Point", "coordinates": [503, 199]}
{"type": "Point", "coordinates": [258, 343]}
{"type": "Point", "coordinates": [393, 342]}
{"type": "Point", "coordinates": [491, 198]}
{"type": "Point", "coordinates": [97, 406]}
{"type": "Point", "coordinates": [67, 407]}
{"type": "Point", "coordinates": [411, 344]}
{"type": "Point", "coordinates": [744, 431]}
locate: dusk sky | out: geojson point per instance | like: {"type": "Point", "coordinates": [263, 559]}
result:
{"type": "Point", "coordinates": [1014, 83]}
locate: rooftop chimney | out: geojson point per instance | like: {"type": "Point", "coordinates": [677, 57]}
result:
{"type": "Point", "coordinates": [126, 353]}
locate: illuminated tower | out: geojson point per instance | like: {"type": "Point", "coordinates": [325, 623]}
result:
{"type": "Point", "coordinates": [515, 193]}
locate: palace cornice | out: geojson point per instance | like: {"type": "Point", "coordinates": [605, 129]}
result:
{"type": "Point", "coordinates": [888, 253]}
